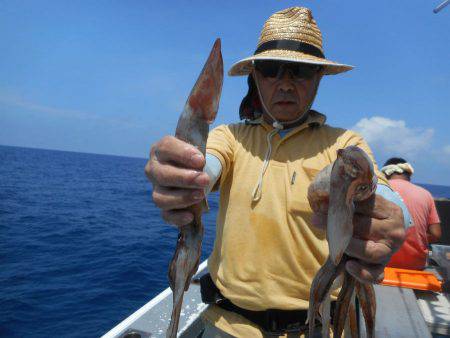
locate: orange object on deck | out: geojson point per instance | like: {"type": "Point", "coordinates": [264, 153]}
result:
{"type": "Point", "coordinates": [412, 279]}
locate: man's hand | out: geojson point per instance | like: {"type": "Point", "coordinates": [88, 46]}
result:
{"type": "Point", "coordinates": [378, 232]}
{"type": "Point", "coordinates": [175, 170]}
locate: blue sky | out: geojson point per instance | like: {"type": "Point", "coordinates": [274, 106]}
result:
{"type": "Point", "coordinates": [112, 76]}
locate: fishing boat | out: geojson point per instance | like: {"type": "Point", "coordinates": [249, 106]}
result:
{"type": "Point", "coordinates": [404, 311]}
{"type": "Point", "coordinates": [152, 319]}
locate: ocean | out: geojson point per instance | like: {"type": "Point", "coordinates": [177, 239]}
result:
{"type": "Point", "coordinates": [82, 245]}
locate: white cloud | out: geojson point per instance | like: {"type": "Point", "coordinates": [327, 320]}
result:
{"type": "Point", "coordinates": [394, 137]}
{"type": "Point", "coordinates": [29, 106]}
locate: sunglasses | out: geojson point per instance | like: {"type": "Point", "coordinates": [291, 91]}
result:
{"type": "Point", "coordinates": [276, 69]}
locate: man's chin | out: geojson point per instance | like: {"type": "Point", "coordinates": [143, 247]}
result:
{"type": "Point", "coordinates": [286, 112]}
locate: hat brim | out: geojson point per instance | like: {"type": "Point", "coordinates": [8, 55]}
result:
{"type": "Point", "coordinates": [245, 66]}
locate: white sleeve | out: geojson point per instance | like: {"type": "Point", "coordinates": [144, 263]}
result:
{"type": "Point", "coordinates": [213, 168]}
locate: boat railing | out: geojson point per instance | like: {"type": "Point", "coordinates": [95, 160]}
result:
{"type": "Point", "coordinates": [152, 319]}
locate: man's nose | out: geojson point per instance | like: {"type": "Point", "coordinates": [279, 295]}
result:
{"type": "Point", "coordinates": [286, 78]}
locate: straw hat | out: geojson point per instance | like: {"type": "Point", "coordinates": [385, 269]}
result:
{"type": "Point", "coordinates": [290, 35]}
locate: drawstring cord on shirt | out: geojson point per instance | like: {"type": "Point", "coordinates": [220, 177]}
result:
{"type": "Point", "coordinates": [257, 191]}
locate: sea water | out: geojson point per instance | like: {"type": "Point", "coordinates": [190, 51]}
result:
{"type": "Point", "coordinates": [82, 245]}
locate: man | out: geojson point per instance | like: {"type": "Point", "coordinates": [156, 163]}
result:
{"type": "Point", "coordinates": [427, 228]}
{"type": "Point", "coordinates": [267, 251]}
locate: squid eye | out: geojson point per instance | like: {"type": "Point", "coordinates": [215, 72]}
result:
{"type": "Point", "coordinates": [363, 187]}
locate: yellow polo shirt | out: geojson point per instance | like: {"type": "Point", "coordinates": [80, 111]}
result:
{"type": "Point", "coordinates": [266, 253]}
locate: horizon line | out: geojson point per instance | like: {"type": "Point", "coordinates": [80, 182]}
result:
{"type": "Point", "coordinates": [135, 157]}
{"type": "Point", "coordinates": [72, 151]}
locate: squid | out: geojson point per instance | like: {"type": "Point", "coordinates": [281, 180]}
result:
{"type": "Point", "coordinates": [199, 112]}
{"type": "Point", "coordinates": [334, 192]}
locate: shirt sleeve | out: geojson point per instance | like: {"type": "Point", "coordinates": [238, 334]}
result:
{"type": "Point", "coordinates": [221, 144]}
{"type": "Point", "coordinates": [433, 216]}
{"type": "Point", "coordinates": [213, 168]}
{"type": "Point", "coordinates": [394, 197]}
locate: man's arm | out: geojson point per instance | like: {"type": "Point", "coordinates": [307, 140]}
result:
{"type": "Point", "coordinates": [434, 233]}
{"type": "Point", "coordinates": [434, 228]}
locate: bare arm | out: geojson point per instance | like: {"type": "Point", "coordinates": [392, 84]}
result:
{"type": "Point", "coordinates": [434, 233]}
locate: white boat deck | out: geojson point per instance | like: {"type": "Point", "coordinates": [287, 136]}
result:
{"type": "Point", "coordinates": [153, 318]}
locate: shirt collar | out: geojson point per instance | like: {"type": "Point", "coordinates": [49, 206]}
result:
{"type": "Point", "coordinates": [314, 119]}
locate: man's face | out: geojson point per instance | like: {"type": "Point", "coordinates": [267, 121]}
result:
{"type": "Point", "coordinates": [287, 89]}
